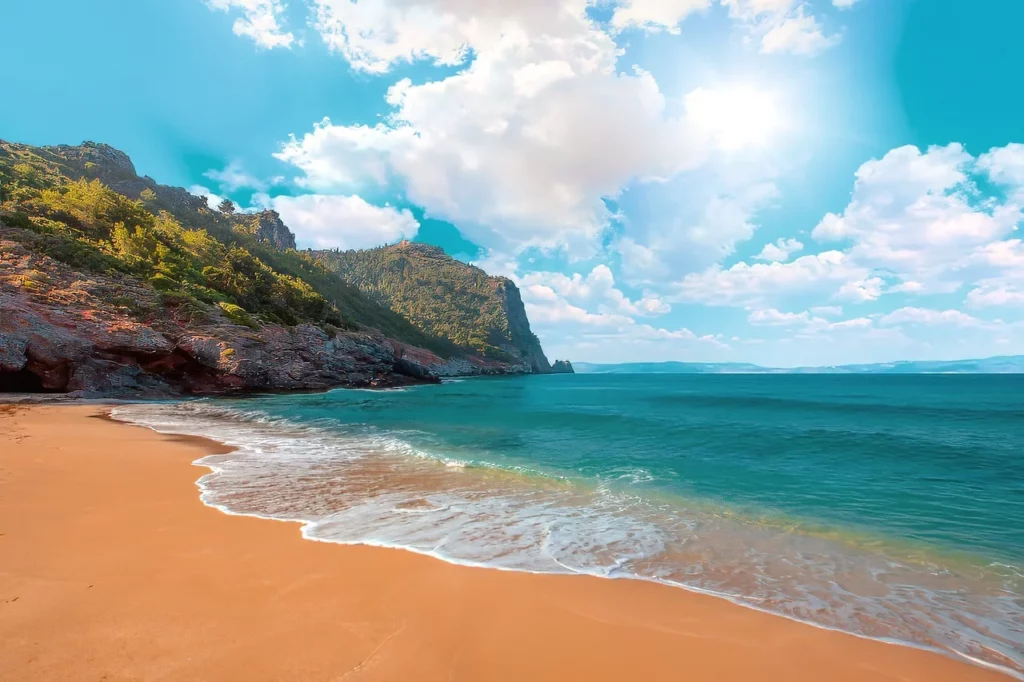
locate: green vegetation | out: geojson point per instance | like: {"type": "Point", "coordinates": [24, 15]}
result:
{"type": "Point", "coordinates": [86, 207]}
{"type": "Point", "coordinates": [88, 225]}
{"type": "Point", "coordinates": [441, 295]}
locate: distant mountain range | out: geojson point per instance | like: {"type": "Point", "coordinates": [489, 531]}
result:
{"type": "Point", "coordinates": [1012, 364]}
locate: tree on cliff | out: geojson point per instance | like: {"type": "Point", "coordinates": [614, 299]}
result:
{"type": "Point", "coordinates": [445, 297]}
{"type": "Point", "coordinates": [227, 207]}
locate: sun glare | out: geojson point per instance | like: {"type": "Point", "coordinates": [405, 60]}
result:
{"type": "Point", "coordinates": [735, 117]}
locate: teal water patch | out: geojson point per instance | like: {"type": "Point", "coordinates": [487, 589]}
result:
{"type": "Point", "coordinates": [886, 506]}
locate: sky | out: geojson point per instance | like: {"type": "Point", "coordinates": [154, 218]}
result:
{"type": "Point", "coordinates": [770, 181]}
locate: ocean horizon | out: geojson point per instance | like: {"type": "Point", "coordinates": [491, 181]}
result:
{"type": "Point", "coordinates": [890, 507]}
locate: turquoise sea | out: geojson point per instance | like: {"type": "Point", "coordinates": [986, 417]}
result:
{"type": "Point", "coordinates": [887, 506]}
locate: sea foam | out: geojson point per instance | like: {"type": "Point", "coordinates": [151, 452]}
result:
{"type": "Point", "coordinates": [354, 484]}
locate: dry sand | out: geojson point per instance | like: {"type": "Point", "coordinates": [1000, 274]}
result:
{"type": "Point", "coordinates": [112, 569]}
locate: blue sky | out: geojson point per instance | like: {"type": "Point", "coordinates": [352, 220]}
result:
{"type": "Point", "coordinates": [771, 181]}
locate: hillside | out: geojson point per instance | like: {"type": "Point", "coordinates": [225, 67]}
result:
{"type": "Point", "coordinates": [444, 297]}
{"type": "Point", "coordinates": [102, 268]}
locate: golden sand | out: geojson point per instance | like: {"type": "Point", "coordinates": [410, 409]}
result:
{"type": "Point", "coordinates": [112, 569]}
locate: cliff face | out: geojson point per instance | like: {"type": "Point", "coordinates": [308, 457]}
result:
{"type": "Point", "coordinates": [481, 315]}
{"type": "Point", "coordinates": [522, 340]}
{"type": "Point", "coordinates": [266, 226]}
{"type": "Point", "coordinates": [93, 335]}
{"type": "Point", "coordinates": [114, 285]}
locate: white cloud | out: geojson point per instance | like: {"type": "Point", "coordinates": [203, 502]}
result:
{"type": "Point", "coordinates": [345, 222]}
{"type": "Point", "coordinates": [597, 290]}
{"type": "Point", "coordinates": [719, 213]}
{"type": "Point", "coordinates": [212, 200]}
{"type": "Point", "coordinates": [927, 316]}
{"type": "Point", "coordinates": [234, 177]}
{"type": "Point", "coordinates": [807, 323]}
{"type": "Point", "coordinates": [374, 35]}
{"type": "Point", "coordinates": [827, 310]}
{"type": "Point", "coordinates": [260, 21]}
{"type": "Point", "coordinates": [655, 14]}
{"type": "Point", "coordinates": [782, 26]}
{"type": "Point", "coordinates": [916, 224]}
{"type": "Point", "coordinates": [775, 318]}
{"type": "Point", "coordinates": [867, 289]}
{"type": "Point", "coordinates": [753, 10]}
{"type": "Point", "coordinates": [918, 217]}
{"type": "Point", "coordinates": [546, 309]}
{"type": "Point", "coordinates": [521, 147]}
{"type": "Point", "coordinates": [744, 284]}
{"type": "Point", "coordinates": [844, 4]}
{"type": "Point", "coordinates": [997, 293]}
{"type": "Point", "coordinates": [1005, 166]}
{"type": "Point", "coordinates": [780, 251]}
{"type": "Point", "coordinates": [497, 263]}
{"type": "Point", "coordinates": [797, 34]}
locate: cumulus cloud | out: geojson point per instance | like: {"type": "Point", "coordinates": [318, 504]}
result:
{"type": "Point", "coordinates": [655, 14]}
{"type": "Point", "coordinates": [996, 294]}
{"type": "Point", "coordinates": [1005, 166]}
{"type": "Point", "coordinates": [234, 177]}
{"type": "Point", "coordinates": [927, 316]}
{"type": "Point", "coordinates": [780, 251]}
{"type": "Point", "coordinates": [522, 146]}
{"type": "Point", "coordinates": [806, 322]}
{"type": "Point", "coordinates": [212, 200]}
{"type": "Point", "coordinates": [547, 309]}
{"type": "Point", "coordinates": [918, 216]}
{"type": "Point", "coordinates": [782, 26]}
{"type": "Point", "coordinates": [260, 21]}
{"type": "Point", "coordinates": [717, 215]}
{"type": "Point", "coordinates": [917, 223]}
{"type": "Point", "coordinates": [597, 290]}
{"type": "Point", "coordinates": [799, 34]}
{"type": "Point", "coordinates": [345, 222]}
{"type": "Point", "coordinates": [775, 318]}
{"type": "Point", "coordinates": [867, 289]}
{"type": "Point", "coordinates": [744, 284]}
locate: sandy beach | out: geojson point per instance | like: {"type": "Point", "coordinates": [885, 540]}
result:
{"type": "Point", "coordinates": [112, 569]}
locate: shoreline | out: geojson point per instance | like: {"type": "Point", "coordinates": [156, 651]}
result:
{"type": "Point", "coordinates": [703, 626]}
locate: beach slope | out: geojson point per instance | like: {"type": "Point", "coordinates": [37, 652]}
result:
{"type": "Point", "coordinates": [111, 568]}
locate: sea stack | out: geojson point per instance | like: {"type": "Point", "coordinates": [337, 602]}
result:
{"type": "Point", "coordinates": [562, 367]}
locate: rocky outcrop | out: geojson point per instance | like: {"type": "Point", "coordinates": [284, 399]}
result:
{"type": "Point", "coordinates": [562, 367]}
{"type": "Point", "coordinates": [75, 330]}
{"type": "Point", "coordinates": [99, 336]}
{"type": "Point", "coordinates": [482, 316]}
{"type": "Point", "coordinates": [524, 342]}
{"type": "Point", "coordinates": [266, 226]}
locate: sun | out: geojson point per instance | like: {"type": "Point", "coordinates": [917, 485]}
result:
{"type": "Point", "coordinates": [735, 117]}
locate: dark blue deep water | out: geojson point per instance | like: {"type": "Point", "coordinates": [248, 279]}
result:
{"type": "Point", "coordinates": [861, 502]}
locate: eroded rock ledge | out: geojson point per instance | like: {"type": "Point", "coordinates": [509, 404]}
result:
{"type": "Point", "coordinates": [97, 336]}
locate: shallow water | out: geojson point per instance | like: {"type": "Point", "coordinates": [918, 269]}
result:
{"type": "Point", "coordinates": [887, 506]}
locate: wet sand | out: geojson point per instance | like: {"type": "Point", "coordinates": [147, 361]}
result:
{"type": "Point", "coordinates": [112, 569]}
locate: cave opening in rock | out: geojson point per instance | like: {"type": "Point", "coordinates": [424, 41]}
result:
{"type": "Point", "coordinates": [23, 381]}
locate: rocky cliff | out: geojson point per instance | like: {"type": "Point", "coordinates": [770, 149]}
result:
{"type": "Point", "coordinates": [111, 284]}
{"type": "Point", "coordinates": [266, 226]}
{"type": "Point", "coordinates": [562, 367]}
{"type": "Point", "coordinates": [95, 335]}
{"type": "Point", "coordinates": [480, 314]}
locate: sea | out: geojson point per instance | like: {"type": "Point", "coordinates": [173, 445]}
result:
{"type": "Point", "coordinates": [886, 506]}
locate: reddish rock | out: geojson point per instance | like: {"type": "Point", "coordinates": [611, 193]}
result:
{"type": "Point", "coordinates": [61, 330]}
